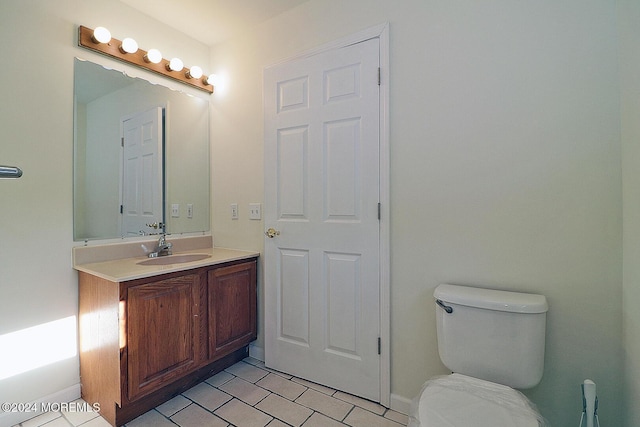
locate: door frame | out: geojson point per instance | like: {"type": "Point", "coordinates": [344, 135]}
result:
{"type": "Point", "coordinates": [380, 32]}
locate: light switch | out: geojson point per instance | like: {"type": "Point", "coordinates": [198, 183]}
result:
{"type": "Point", "coordinates": [189, 210]}
{"type": "Point", "coordinates": [255, 211]}
{"type": "Point", "coordinates": [234, 211]}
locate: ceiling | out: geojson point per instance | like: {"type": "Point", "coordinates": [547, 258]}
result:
{"type": "Point", "coordinates": [212, 21]}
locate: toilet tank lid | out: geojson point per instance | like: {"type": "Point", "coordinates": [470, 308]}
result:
{"type": "Point", "coordinates": [491, 299]}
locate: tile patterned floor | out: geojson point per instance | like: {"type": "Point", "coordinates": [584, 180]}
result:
{"type": "Point", "coordinates": [248, 395]}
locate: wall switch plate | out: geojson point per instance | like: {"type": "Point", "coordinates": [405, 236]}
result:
{"type": "Point", "coordinates": [189, 210]}
{"type": "Point", "coordinates": [175, 210]}
{"type": "Point", "coordinates": [255, 211]}
{"type": "Point", "coordinates": [234, 211]}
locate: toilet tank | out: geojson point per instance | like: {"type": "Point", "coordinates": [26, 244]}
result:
{"type": "Point", "coordinates": [493, 335]}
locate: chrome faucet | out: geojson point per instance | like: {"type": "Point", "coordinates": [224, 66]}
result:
{"type": "Point", "coordinates": [163, 248]}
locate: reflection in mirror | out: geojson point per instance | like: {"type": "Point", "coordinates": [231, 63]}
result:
{"type": "Point", "coordinates": [141, 157]}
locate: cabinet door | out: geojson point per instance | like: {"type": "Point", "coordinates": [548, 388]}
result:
{"type": "Point", "coordinates": [162, 332]}
{"type": "Point", "coordinates": [232, 307]}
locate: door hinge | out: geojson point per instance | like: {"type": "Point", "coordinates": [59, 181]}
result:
{"type": "Point", "coordinates": [121, 209]}
{"type": "Point", "coordinates": [122, 141]}
{"type": "Point", "coordinates": [379, 76]}
{"type": "Point", "coordinates": [379, 346]}
{"type": "Point", "coordinates": [379, 209]}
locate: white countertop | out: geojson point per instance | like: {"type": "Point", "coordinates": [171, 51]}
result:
{"type": "Point", "coordinates": [104, 262]}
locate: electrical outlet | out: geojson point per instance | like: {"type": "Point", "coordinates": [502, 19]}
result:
{"type": "Point", "coordinates": [175, 210]}
{"type": "Point", "coordinates": [234, 211]}
{"type": "Point", "coordinates": [255, 211]}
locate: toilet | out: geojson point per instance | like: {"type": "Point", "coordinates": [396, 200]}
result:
{"type": "Point", "coordinates": [493, 342]}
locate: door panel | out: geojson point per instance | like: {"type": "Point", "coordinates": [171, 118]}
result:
{"type": "Point", "coordinates": [322, 185]}
{"type": "Point", "coordinates": [342, 197]}
{"type": "Point", "coordinates": [343, 303]}
{"type": "Point", "coordinates": [293, 297]}
{"type": "Point", "coordinates": [293, 173]}
{"type": "Point", "coordinates": [162, 332]}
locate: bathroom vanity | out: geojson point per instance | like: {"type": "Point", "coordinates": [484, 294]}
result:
{"type": "Point", "coordinates": [150, 332]}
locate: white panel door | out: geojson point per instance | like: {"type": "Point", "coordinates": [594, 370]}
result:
{"type": "Point", "coordinates": [142, 136]}
{"type": "Point", "coordinates": [322, 286]}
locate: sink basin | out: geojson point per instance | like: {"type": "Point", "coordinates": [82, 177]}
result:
{"type": "Point", "coordinates": [174, 259]}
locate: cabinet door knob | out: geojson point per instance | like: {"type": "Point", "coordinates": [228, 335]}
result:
{"type": "Point", "coordinates": [271, 233]}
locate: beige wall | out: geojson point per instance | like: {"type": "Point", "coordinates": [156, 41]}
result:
{"type": "Point", "coordinates": [37, 282]}
{"type": "Point", "coordinates": [505, 169]}
{"type": "Point", "coordinates": [629, 13]}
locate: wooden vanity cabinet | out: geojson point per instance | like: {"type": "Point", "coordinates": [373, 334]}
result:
{"type": "Point", "coordinates": [232, 320]}
{"type": "Point", "coordinates": [144, 341]}
{"type": "Point", "coordinates": [163, 338]}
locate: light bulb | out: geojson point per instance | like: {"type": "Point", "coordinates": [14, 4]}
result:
{"type": "Point", "coordinates": [101, 35]}
{"type": "Point", "coordinates": [153, 55]}
{"type": "Point", "coordinates": [129, 45]}
{"type": "Point", "coordinates": [212, 79]}
{"type": "Point", "coordinates": [175, 65]}
{"type": "Point", "coordinates": [194, 72]}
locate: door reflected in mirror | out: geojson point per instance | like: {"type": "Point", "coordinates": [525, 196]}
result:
{"type": "Point", "coordinates": [141, 157]}
{"type": "Point", "coordinates": [141, 178]}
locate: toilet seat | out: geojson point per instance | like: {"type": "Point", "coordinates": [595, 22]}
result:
{"type": "Point", "coordinates": [461, 401]}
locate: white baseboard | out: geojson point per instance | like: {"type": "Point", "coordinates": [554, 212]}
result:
{"type": "Point", "coordinates": [69, 394]}
{"type": "Point", "coordinates": [400, 404]}
{"type": "Point", "coordinates": [256, 352]}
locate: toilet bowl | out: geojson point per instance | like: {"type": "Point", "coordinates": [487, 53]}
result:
{"type": "Point", "coordinates": [493, 341]}
{"type": "Point", "coordinates": [458, 400]}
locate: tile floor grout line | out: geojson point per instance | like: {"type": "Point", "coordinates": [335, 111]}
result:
{"type": "Point", "coordinates": [347, 416]}
{"type": "Point", "coordinates": [169, 418]}
{"type": "Point", "coordinates": [326, 415]}
{"type": "Point", "coordinates": [270, 392]}
{"type": "Point", "coordinates": [307, 419]}
{"type": "Point", "coordinates": [273, 417]}
{"type": "Point", "coordinates": [199, 405]}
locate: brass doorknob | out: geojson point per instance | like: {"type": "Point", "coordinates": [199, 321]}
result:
{"type": "Point", "coordinates": [271, 233]}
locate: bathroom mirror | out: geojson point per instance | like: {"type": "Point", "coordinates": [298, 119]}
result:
{"type": "Point", "coordinates": [106, 102]}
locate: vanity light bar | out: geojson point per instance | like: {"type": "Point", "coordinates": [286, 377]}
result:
{"type": "Point", "coordinates": [115, 49]}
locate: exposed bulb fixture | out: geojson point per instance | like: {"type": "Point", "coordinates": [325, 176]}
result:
{"type": "Point", "coordinates": [175, 64]}
{"type": "Point", "coordinates": [101, 35]}
{"type": "Point", "coordinates": [127, 50]}
{"type": "Point", "coordinates": [154, 56]}
{"type": "Point", "coordinates": [212, 79]}
{"type": "Point", "coordinates": [194, 72]}
{"type": "Point", "coordinates": [128, 45]}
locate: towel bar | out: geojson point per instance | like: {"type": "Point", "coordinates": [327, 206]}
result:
{"type": "Point", "coordinates": [10, 172]}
